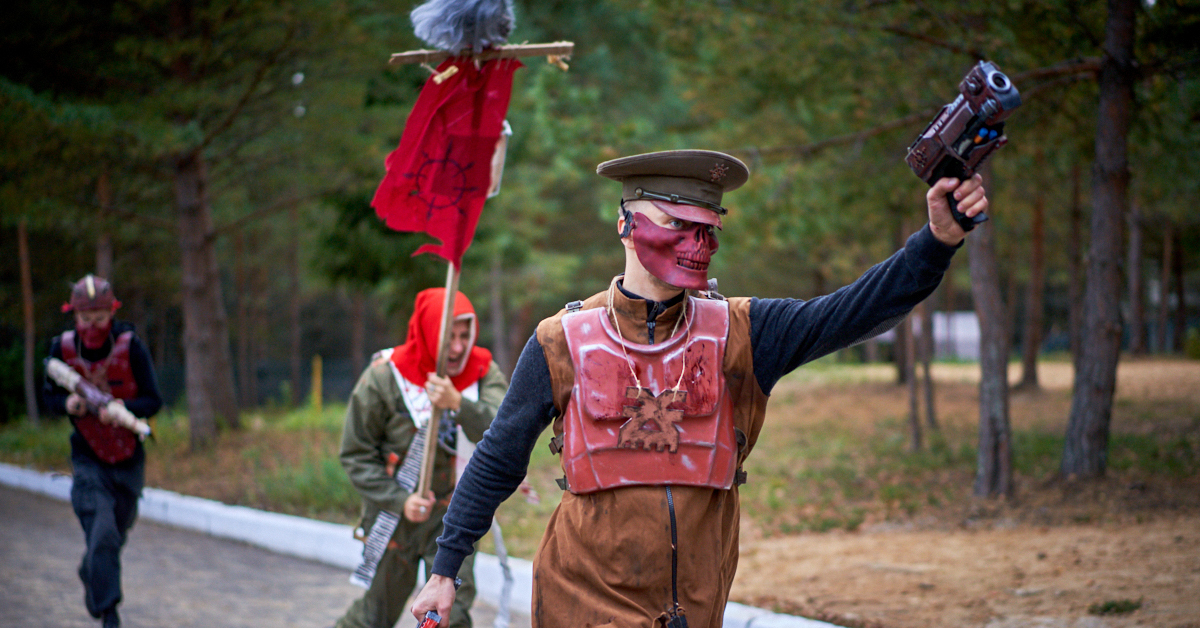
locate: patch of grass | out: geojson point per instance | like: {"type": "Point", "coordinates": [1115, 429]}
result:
{"type": "Point", "coordinates": [1173, 456]}
{"type": "Point", "coordinates": [312, 487]}
{"type": "Point", "coordinates": [330, 419]}
{"type": "Point", "coordinates": [1035, 452]}
{"type": "Point", "coordinates": [46, 446]}
{"type": "Point", "coordinates": [1115, 607]}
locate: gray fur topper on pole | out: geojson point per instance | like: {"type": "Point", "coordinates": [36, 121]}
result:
{"type": "Point", "coordinates": [455, 25]}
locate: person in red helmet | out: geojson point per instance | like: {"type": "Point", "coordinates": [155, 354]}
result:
{"type": "Point", "coordinates": [108, 461]}
{"type": "Point", "coordinates": [389, 411]}
{"type": "Point", "coordinates": [656, 391]}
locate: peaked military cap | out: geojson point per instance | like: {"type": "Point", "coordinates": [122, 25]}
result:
{"type": "Point", "coordinates": [688, 178]}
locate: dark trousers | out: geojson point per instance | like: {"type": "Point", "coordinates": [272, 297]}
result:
{"type": "Point", "coordinates": [105, 499]}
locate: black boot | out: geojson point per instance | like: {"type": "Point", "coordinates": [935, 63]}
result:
{"type": "Point", "coordinates": [111, 619]}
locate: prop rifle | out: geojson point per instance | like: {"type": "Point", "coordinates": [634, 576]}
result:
{"type": "Point", "coordinates": [94, 398]}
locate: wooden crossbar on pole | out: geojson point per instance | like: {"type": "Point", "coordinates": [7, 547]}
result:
{"type": "Point", "coordinates": [555, 49]}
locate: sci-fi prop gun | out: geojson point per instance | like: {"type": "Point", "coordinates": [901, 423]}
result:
{"type": "Point", "coordinates": [965, 132]}
{"type": "Point", "coordinates": [94, 398]}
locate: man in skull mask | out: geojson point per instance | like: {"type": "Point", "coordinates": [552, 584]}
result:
{"type": "Point", "coordinates": [657, 389]}
{"type": "Point", "coordinates": [387, 416]}
{"type": "Point", "coordinates": [108, 460]}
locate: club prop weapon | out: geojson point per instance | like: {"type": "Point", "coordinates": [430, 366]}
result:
{"type": "Point", "coordinates": [94, 398]}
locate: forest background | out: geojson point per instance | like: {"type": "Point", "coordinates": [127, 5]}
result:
{"type": "Point", "coordinates": [216, 160]}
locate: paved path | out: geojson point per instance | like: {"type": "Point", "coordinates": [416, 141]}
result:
{"type": "Point", "coordinates": [172, 578]}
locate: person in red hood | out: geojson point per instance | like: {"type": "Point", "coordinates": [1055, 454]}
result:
{"type": "Point", "coordinates": [387, 419]}
{"type": "Point", "coordinates": [108, 461]}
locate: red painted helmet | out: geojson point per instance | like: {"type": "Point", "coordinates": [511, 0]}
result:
{"type": "Point", "coordinates": [92, 293]}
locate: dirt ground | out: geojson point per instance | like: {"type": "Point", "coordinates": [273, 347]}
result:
{"type": "Point", "coordinates": [1041, 560]}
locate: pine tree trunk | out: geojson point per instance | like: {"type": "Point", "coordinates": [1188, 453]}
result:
{"type": "Point", "coordinates": [244, 367]}
{"type": "Point", "coordinates": [31, 405]}
{"type": "Point", "coordinates": [1180, 303]}
{"type": "Point", "coordinates": [501, 348]}
{"type": "Point", "coordinates": [1164, 291]}
{"type": "Point", "coordinates": [1075, 276]}
{"type": "Point", "coordinates": [910, 377]}
{"type": "Point", "coordinates": [1133, 272]}
{"type": "Point", "coordinates": [1034, 296]}
{"type": "Point", "coordinates": [104, 249]}
{"type": "Point", "coordinates": [925, 310]}
{"type": "Point", "coordinates": [294, 358]}
{"type": "Point", "coordinates": [1086, 449]}
{"type": "Point", "coordinates": [358, 331]}
{"type": "Point", "coordinates": [209, 377]}
{"type": "Point", "coordinates": [901, 344]}
{"type": "Point", "coordinates": [993, 476]}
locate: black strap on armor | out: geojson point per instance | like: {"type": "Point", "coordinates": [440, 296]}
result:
{"type": "Point", "coordinates": [556, 444]}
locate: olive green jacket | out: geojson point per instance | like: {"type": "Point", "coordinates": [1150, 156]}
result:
{"type": "Point", "coordinates": [378, 422]}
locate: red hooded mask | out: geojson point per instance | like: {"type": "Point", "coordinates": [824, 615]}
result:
{"type": "Point", "coordinates": [417, 357]}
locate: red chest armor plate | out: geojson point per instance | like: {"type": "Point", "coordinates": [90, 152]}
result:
{"type": "Point", "coordinates": [615, 435]}
{"type": "Point", "coordinates": [113, 375]}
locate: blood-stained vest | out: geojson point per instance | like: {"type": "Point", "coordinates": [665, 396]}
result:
{"type": "Point", "coordinates": [113, 375]}
{"type": "Point", "coordinates": [616, 435]}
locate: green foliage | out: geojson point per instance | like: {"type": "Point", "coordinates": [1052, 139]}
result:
{"type": "Point", "coordinates": [1176, 456]}
{"type": "Point", "coordinates": [1115, 607]}
{"type": "Point", "coordinates": [315, 487]}
{"type": "Point", "coordinates": [12, 381]}
{"type": "Point", "coordinates": [1191, 344]}
{"type": "Point", "coordinates": [46, 446]}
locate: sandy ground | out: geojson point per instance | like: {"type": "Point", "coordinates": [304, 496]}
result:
{"type": "Point", "coordinates": [996, 578]}
{"type": "Point", "coordinates": [991, 564]}
{"type": "Point", "coordinates": [1040, 560]}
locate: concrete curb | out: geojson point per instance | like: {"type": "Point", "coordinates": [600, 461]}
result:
{"type": "Point", "coordinates": [331, 543]}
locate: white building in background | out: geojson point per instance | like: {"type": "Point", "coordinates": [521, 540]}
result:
{"type": "Point", "coordinates": [955, 335]}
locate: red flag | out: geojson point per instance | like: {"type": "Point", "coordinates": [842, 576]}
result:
{"type": "Point", "coordinates": [438, 178]}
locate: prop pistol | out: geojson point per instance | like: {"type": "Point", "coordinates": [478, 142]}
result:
{"type": "Point", "coordinates": [965, 132]}
{"type": "Point", "coordinates": [94, 398]}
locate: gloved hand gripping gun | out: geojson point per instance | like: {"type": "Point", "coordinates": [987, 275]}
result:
{"type": "Point", "coordinates": [965, 132]}
{"type": "Point", "coordinates": [94, 398]}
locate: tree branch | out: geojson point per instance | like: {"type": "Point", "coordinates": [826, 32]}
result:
{"type": "Point", "coordinates": [809, 150]}
{"type": "Point", "coordinates": [1060, 73]}
{"type": "Point", "coordinates": [270, 62]}
{"type": "Point", "coordinates": [128, 214]}
{"type": "Point", "coordinates": [940, 43]}
{"type": "Point", "coordinates": [278, 205]}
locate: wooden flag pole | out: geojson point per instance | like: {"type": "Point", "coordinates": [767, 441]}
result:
{"type": "Point", "coordinates": [431, 432]}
